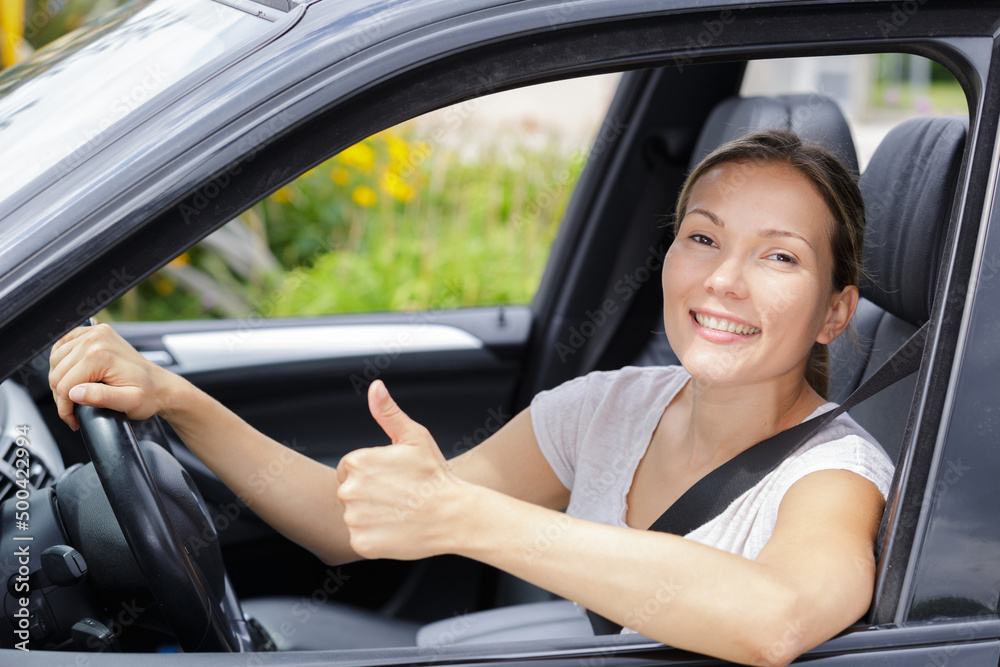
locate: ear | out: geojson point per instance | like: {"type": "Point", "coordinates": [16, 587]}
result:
{"type": "Point", "coordinates": [842, 307]}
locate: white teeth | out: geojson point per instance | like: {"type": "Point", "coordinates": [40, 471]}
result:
{"type": "Point", "coordinates": [720, 324]}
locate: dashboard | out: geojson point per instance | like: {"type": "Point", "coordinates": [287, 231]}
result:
{"type": "Point", "coordinates": [22, 424]}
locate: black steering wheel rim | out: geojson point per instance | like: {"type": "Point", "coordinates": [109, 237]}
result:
{"type": "Point", "coordinates": [198, 623]}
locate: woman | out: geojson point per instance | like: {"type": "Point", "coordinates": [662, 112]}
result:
{"type": "Point", "coordinates": [761, 275]}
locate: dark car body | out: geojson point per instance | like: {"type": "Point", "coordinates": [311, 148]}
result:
{"type": "Point", "coordinates": [315, 78]}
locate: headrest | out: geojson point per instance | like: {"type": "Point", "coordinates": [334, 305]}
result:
{"type": "Point", "coordinates": [815, 118]}
{"type": "Point", "coordinates": [908, 188]}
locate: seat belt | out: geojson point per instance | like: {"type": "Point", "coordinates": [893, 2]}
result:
{"type": "Point", "coordinates": [714, 492]}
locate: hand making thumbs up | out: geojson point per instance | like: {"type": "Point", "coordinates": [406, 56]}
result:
{"type": "Point", "coordinates": [400, 499]}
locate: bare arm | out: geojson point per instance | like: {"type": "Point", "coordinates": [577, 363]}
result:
{"type": "Point", "coordinates": [292, 492]}
{"type": "Point", "coordinates": [814, 578]}
{"type": "Point", "coordinates": [511, 462]}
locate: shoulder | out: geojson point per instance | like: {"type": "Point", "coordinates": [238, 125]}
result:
{"type": "Point", "coordinates": [596, 427]}
{"type": "Point", "coordinates": [603, 384]}
{"type": "Point", "coordinates": [841, 445]}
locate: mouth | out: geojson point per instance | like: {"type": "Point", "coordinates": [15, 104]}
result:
{"type": "Point", "coordinates": [722, 324]}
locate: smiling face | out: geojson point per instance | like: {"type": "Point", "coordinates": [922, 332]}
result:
{"type": "Point", "coordinates": [747, 282]}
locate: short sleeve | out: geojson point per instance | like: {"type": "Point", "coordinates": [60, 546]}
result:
{"type": "Point", "coordinates": [556, 416]}
{"type": "Point", "coordinates": [851, 453]}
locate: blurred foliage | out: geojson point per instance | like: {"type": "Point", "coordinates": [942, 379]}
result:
{"type": "Point", "coordinates": [392, 223]}
{"type": "Point", "coordinates": [47, 20]}
{"type": "Point", "coordinates": [908, 82]}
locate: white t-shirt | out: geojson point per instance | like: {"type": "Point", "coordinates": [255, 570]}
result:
{"type": "Point", "coordinates": [595, 429]}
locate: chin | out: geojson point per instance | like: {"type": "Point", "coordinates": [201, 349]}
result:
{"type": "Point", "coordinates": [719, 368]}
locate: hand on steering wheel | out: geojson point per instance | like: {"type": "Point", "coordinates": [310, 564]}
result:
{"type": "Point", "coordinates": [99, 363]}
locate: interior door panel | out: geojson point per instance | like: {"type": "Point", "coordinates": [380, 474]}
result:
{"type": "Point", "coordinates": [304, 382]}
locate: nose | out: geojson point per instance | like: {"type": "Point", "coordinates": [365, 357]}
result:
{"type": "Point", "coordinates": [726, 277]}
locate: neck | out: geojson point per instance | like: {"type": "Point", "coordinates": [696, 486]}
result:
{"type": "Point", "coordinates": [726, 420]}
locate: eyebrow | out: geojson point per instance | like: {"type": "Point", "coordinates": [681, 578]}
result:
{"type": "Point", "coordinates": [765, 233]}
{"type": "Point", "coordinates": [778, 233]}
{"type": "Point", "coordinates": [708, 214]}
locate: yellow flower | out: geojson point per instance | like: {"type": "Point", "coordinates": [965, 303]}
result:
{"type": "Point", "coordinates": [283, 195]}
{"type": "Point", "coordinates": [164, 286]}
{"type": "Point", "coordinates": [359, 155]}
{"type": "Point", "coordinates": [339, 175]}
{"type": "Point", "coordinates": [398, 150]}
{"type": "Point", "coordinates": [396, 187]}
{"type": "Point", "coordinates": [180, 260]}
{"type": "Point", "coordinates": [364, 196]}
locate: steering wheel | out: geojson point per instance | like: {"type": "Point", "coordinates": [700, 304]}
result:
{"type": "Point", "coordinates": [199, 622]}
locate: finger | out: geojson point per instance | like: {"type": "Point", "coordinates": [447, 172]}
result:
{"type": "Point", "coordinates": [350, 462]}
{"type": "Point", "coordinates": [82, 336]}
{"type": "Point", "coordinates": [66, 344]}
{"type": "Point", "coordinates": [66, 414]}
{"type": "Point", "coordinates": [72, 370]}
{"type": "Point", "coordinates": [64, 406]}
{"type": "Point", "coordinates": [71, 356]}
{"type": "Point", "coordinates": [396, 423]}
{"type": "Point", "coordinates": [122, 399]}
{"type": "Point", "coordinates": [82, 364]}
{"type": "Point", "coordinates": [342, 472]}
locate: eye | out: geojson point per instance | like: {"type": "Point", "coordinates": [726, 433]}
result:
{"type": "Point", "coordinates": [701, 239]}
{"type": "Point", "coordinates": [782, 257]}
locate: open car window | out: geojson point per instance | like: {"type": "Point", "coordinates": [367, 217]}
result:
{"type": "Point", "coordinates": [454, 209]}
{"type": "Point", "coordinates": [875, 91]}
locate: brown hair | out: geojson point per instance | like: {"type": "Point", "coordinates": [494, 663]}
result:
{"type": "Point", "coordinates": [832, 181]}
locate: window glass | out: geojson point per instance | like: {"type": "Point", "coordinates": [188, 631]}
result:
{"type": "Point", "coordinates": [165, 40]}
{"type": "Point", "coordinates": [875, 91]}
{"type": "Point", "coordinates": [454, 209]}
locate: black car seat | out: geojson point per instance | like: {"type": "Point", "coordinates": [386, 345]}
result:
{"type": "Point", "coordinates": [908, 189]}
{"type": "Point", "coordinates": [815, 118]}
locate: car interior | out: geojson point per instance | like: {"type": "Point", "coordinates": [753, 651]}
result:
{"type": "Point", "coordinates": [613, 224]}
{"type": "Point", "coordinates": [907, 212]}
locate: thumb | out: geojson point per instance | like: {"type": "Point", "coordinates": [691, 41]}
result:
{"type": "Point", "coordinates": [99, 395]}
{"type": "Point", "coordinates": [396, 423]}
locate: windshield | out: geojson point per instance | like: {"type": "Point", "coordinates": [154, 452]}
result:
{"type": "Point", "coordinates": [60, 103]}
